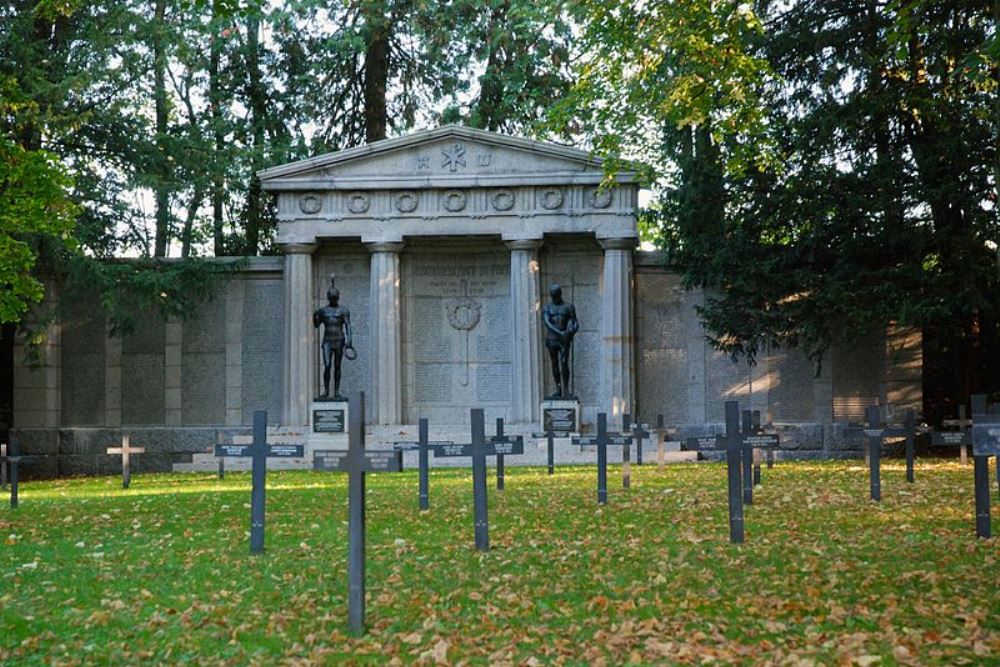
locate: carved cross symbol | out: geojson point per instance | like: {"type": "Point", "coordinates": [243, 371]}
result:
{"type": "Point", "coordinates": [454, 156]}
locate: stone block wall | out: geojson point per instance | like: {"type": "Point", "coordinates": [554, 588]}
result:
{"type": "Point", "coordinates": [680, 375]}
{"type": "Point", "coordinates": [174, 385]}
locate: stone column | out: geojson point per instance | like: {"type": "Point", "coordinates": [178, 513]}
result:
{"type": "Point", "coordinates": [617, 363]}
{"type": "Point", "coordinates": [525, 351]}
{"type": "Point", "coordinates": [385, 335]}
{"type": "Point", "coordinates": [298, 355]}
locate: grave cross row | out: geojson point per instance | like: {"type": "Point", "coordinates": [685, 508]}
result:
{"type": "Point", "coordinates": [259, 451]}
{"type": "Point", "coordinates": [602, 441]}
{"type": "Point", "coordinates": [126, 451]}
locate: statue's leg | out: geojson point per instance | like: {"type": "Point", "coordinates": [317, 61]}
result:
{"type": "Point", "coordinates": [338, 356]}
{"type": "Point", "coordinates": [554, 358]}
{"type": "Point", "coordinates": [564, 362]}
{"type": "Point", "coordinates": [327, 353]}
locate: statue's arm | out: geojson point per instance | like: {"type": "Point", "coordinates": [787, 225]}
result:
{"type": "Point", "coordinates": [573, 325]}
{"type": "Point", "coordinates": [347, 326]}
{"type": "Point", "coordinates": [316, 319]}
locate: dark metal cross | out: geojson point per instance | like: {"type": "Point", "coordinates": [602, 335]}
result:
{"type": "Point", "coordinates": [733, 444]}
{"type": "Point", "coordinates": [126, 452]}
{"type": "Point", "coordinates": [479, 449]}
{"type": "Point", "coordinates": [638, 431]}
{"type": "Point", "coordinates": [12, 460]}
{"type": "Point", "coordinates": [422, 446]}
{"type": "Point", "coordinates": [259, 451]}
{"type": "Point", "coordinates": [963, 424]}
{"type": "Point", "coordinates": [746, 456]}
{"type": "Point", "coordinates": [985, 443]}
{"type": "Point", "coordinates": [357, 461]}
{"type": "Point", "coordinates": [603, 440]}
{"type": "Point", "coordinates": [550, 436]}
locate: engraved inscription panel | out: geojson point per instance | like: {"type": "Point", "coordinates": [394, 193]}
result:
{"type": "Point", "coordinates": [456, 341]}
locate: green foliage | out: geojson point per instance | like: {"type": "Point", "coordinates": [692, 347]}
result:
{"type": "Point", "coordinates": [644, 68]}
{"type": "Point", "coordinates": [827, 169]}
{"type": "Point", "coordinates": [129, 288]}
{"type": "Point", "coordinates": [34, 211]}
{"type": "Point", "coordinates": [161, 573]}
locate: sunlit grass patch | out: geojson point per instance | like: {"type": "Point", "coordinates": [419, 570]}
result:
{"type": "Point", "coordinates": [162, 573]}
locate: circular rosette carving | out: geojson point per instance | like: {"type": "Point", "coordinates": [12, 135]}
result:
{"type": "Point", "coordinates": [503, 200]}
{"type": "Point", "coordinates": [552, 198]}
{"type": "Point", "coordinates": [454, 200]}
{"type": "Point", "coordinates": [406, 202]}
{"type": "Point", "coordinates": [358, 202]}
{"type": "Point", "coordinates": [600, 198]}
{"type": "Point", "coordinates": [310, 204]}
{"type": "Point", "coordinates": [464, 314]}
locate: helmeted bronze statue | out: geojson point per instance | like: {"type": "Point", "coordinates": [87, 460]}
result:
{"type": "Point", "coordinates": [336, 321]}
{"type": "Point", "coordinates": [560, 327]}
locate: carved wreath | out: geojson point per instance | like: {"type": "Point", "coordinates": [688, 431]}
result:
{"type": "Point", "coordinates": [552, 199]}
{"type": "Point", "coordinates": [310, 204]}
{"type": "Point", "coordinates": [503, 200]}
{"type": "Point", "coordinates": [454, 200]}
{"type": "Point", "coordinates": [358, 202]}
{"type": "Point", "coordinates": [406, 202]}
{"type": "Point", "coordinates": [463, 314]}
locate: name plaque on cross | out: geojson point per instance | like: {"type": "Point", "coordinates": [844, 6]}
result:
{"type": "Point", "coordinates": [705, 442]}
{"type": "Point", "coordinates": [514, 447]}
{"type": "Point", "coordinates": [328, 421]}
{"type": "Point", "coordinates": [336, 460]}
{"type": "Point", "coordinates": [986, 435]}
{"type": "Point", "coordinates": [274, 451]}
{"type": "Point", "coordinates": [950, 438]}
{"type": "Point", "coordinates": [761, 440]}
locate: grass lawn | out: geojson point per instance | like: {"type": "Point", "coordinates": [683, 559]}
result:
{"type": "Point", "coordinates": [90, 573]}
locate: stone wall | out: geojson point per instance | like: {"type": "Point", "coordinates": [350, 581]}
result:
{"type": "Point", "coordinates": [174, 385]}
{"type": "Point", "coordinates": [680, 375]}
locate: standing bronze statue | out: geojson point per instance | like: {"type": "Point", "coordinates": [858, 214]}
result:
{"type": "Point", "coordinates": [560, 327]}
{"type": "Point", "coordinates": [336, 321]}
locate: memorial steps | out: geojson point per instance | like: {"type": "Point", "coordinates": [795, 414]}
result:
{"type": "Point", "coordinates": [382, 437]}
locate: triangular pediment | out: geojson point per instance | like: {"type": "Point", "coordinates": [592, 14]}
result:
{"type": "Point", "coordinates": [449, 156]}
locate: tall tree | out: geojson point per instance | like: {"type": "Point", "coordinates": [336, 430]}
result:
{"type": "Point", "coordinates": [861, 198]}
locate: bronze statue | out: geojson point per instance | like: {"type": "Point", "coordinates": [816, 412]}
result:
{"type": "Point", "coordinates": [560, 327]}
{"type": "Point", "coordinates": [336, 321]}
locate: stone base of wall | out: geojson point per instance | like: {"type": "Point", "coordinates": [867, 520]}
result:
{"type": "Point", "coordinates": [68, 452]}
{"type": "Point", "coordinates": [81, 451]}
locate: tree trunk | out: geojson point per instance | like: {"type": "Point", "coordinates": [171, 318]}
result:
{"type": "Point", "coordinates": [192, 213]}
{"type": "Point", "coordinates": [257, 100]}
{"type": "Point", "coordinates": [162, 183]}
{"type": "Point", "coordinates": [376, 69]}
{"type": "Point", "coordinates": [218, 161]}
{"type": "Point", "coordinates": [487, 110]}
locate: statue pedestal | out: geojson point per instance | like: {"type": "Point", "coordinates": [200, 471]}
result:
{"type": "Point", "coordinates": [328, 416]}
{"type": "Point", "coordinates": [561, 414]}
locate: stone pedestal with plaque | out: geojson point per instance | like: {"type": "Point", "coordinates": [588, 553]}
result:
{"type": "Point", "coordinates": [328, 418]}
{"type": "Point", "coordinates": [561, 415]}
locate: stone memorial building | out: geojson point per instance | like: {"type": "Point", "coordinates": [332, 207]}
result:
{"type": "Point", "coordinates": [443, 244]}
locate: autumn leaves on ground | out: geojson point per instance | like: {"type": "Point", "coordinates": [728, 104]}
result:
{"type": "Point", "coordinates": [161, 573]}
